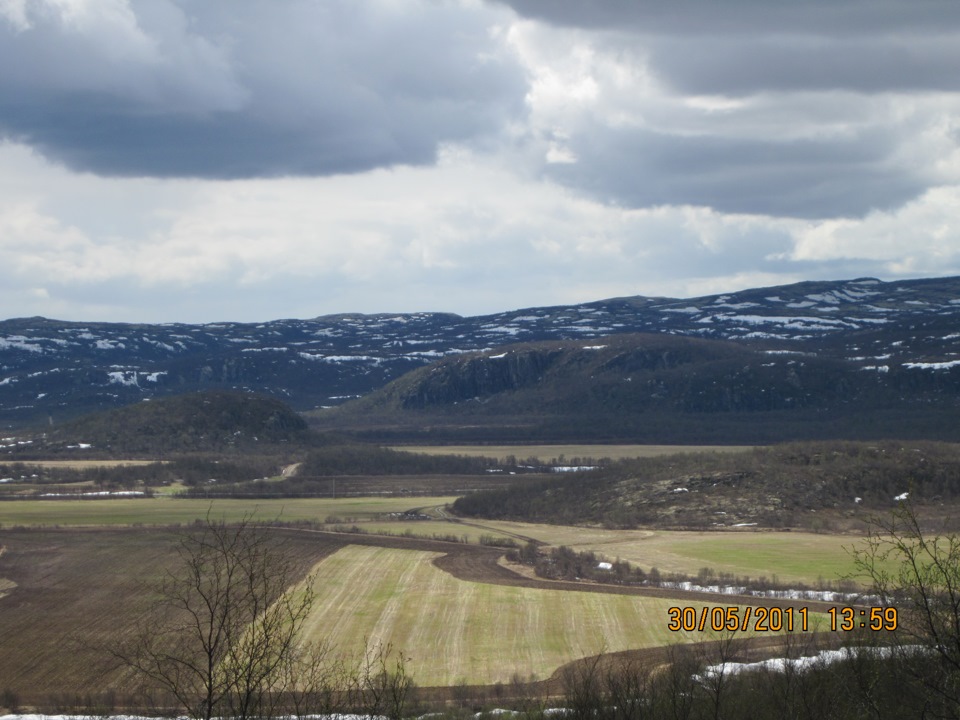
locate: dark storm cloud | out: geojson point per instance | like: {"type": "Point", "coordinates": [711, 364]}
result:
{"type": "Point", "coordinates": [827, 102]}
{"type": "Point", "coordinates": [829, 17]}
{"type": "Point", "coordinates": [801, 178]}
{"type": "Point", "coordinates": [742, 66]}
{"type": "Point", "coordinates": [245, 89]}
{"type": "Point", "coordinates": [748, 46]}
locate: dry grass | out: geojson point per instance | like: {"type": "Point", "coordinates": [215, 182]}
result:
{"type": "Point", "coordinates": [553, 453]}
{"type": "Point", "coordinates": [788, 556]}
{"type": "Point", "coordinates": [87, 464]}
{"type": "Point", "coordinates": [456, 631]}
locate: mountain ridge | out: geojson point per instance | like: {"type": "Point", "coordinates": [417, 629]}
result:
{"type": "Point", "coordinates": [51, 370]}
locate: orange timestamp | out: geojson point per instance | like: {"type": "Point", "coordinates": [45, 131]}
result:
{"type": "Point", "coordinates": [876, 619]}
{"type": "Point", "coordinates": [777, 619]}
{"type": "Point", "coordinates": [731, 617]}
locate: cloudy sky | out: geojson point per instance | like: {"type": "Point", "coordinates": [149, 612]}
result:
{"type": "Point", "coordinates": [205, 160]}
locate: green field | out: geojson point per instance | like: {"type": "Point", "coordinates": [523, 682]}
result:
{"type": "Point", "coordinates": [456, 631]}
{"type": "Point", "coordinates": [790, 556]}
{"type": "Point", "coordinates": [553, 453]}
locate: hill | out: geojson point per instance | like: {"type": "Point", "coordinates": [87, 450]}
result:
{"type": "Point", "coordinates": [195, 422]}
{"type": "Point", "coordinates": [52, 370]}
{"type": "Point", "coordinates": [661, 389]}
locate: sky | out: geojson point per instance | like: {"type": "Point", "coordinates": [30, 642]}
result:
{"type": "Point", "coordinates": [248, 160]}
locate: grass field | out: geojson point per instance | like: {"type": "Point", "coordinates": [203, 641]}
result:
{"type": "Point", "coordinates": [87, 464]}
{"type": "Point", "coordinates": [790, 556]}
{"type": "Point", "coordinates": [168, 511]}
{"type": "Point", "coordinates": [553, 453]}
{"type": "Point", "coordinates": [467, 632]}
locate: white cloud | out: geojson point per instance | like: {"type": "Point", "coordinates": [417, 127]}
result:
{"type": "Point", "coordinates": [922, 237]}
{"type": "Point", "coordinates": [466, 236]}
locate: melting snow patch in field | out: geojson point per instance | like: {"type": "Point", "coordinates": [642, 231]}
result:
{"type": "Point", "coordinates": [98, 493]}
{"type": "Point", "coordinates": [823, 658]}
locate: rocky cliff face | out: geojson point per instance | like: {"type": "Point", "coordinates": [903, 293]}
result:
{"type": "Point", "coordinates": [629, 373]}
{"type": "Point", "coordinates": [478, 377]}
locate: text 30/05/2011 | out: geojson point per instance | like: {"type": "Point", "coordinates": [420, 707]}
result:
{"type": "Point", "coordinates": [777, 619]}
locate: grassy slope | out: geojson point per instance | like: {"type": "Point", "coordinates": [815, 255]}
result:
{"type": "Point", "coordinates": [456, 631]}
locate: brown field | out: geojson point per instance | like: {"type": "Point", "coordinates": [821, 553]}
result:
{"type": "Point", "coordinates": [77, 593]}
{"type": "Point", "coordinates": [553, 453]}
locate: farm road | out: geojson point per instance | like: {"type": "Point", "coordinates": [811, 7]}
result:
{"type": "Point", "coordinates": [441, 512]}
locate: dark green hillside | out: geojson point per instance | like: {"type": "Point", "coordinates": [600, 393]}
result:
{"type": "Point", "coordinates": [656, 388]}
{"type": "Point", "coordinates": [629, 373]}
{"type": "Point", "coordinates": [196, 422]}
{"type": "Point", "coordinates": [809, 485]}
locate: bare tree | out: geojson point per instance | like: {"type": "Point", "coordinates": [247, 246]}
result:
{"type": "Point", "coordinates": [227, 623]}
{"type": "Point", "coordinates": [915, 573]}
{"type": "Point", "coordinates": [374, 689]}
